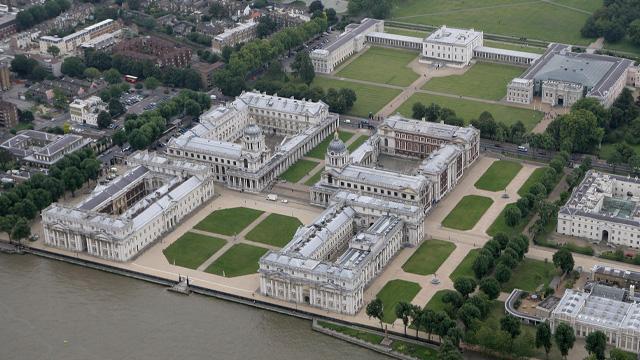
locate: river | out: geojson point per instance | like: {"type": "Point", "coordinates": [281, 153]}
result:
{"type": "Point", "coordinates": [53, 310]}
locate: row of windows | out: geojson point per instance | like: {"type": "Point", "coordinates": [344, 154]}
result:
{"type": "Point", "coordinates": [376, 190]}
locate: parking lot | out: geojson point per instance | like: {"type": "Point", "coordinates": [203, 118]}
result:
{"type": "Point", "coordinates": [146, 101]}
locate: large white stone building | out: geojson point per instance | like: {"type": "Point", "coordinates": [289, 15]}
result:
{"type": "Point", "coordinates": [603, 208]}
{"type": "Point", "coordinates": [41, 149]}
{"type": "Point", "coordinates": [452, 45]}
{"type": "Point", "coordinates": [85, 111]}
{"type": "Point", "coordinates": [231, 138]}
{"type": "Point", "coordinates": [120, 219]}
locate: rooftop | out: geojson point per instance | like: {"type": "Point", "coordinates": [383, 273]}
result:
{"type": "Point", "coordinates": [453, 36]}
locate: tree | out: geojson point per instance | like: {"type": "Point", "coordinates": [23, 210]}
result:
{"type": "Point", "coordinates": [22, 65]}
{"type": "Point", "coordinates": [596, 344]}
{"type": "Point", "coordinates": [491, 287]}
{"type": "Point", "coordinates": [564, 260]}
{"type": "Point", "coordinates": [543, 337]}
{"type": "Point", "coordinates": [468, 313]}
{"type": "Point", "coordinates": [151, 83]}
{"type": "Point", "coordinates": [115, 107]}
{"type": "Point", "coordinates": [53, 50]}
{"type": "Point", "coordinates": [92, 73]}
{"type": "Point", "coordinates": [375, 310]}
{"type": "Point", "coordinates": [332, 16]}
{"type": "Point", "coordinates": [418, 110]}
{"type": "Point", "coordinates": [512, 216]}
{"type": "Point", "coordinates": [453, 297]}
{"type": "Point", "coordinates": [502, 273]}
{"type": "Point", "coordinates": [303, 67]}
{"type": "Point", "coordinates": [104, 120]}
{"type": "Point", "coordinates": [449, 351]}
{"type": "Point", "coordinates": [634, 31]}
{"type": "Point", "coordinates": [7, 223]}
{"type": "Point", "coordinates": [403, 312]}
{"type": "Point", "coordinates": [482, 265]}
{"type": "Point", "coordinates": [510, 324]}
{"type": "Point", "coordinates": [21, 229]}
{"type": "Point", "coordinates": [73, 66]}
{"type": "Point", "coordinates": [25, 116]}
{"type": "Point", "coordinates": [465, 285]}
{"type": "Point", "coordinates": [73, 179]}
{"type": "Point", "coordinates": [315, 5]}
{"type": "Point", "coordinates": [565, 338]}
{"type": "Point", "coordinates": [112, 76]}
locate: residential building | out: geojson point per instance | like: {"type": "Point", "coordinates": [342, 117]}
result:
{"type": "Point", "coordinates": [241, 33]}
{"type": "Point", "coordinates": [5, 77]}
{"type": "Point", "coordinates": [70, 44]}
{"type": "Point", "coordinates": [159, 51]}
{"type": "Point", "coordinates": [206, 71]}
{"type": "Point", "coordinates": [86, 111]}
{"type": "Point", "coordinates": [42, 150]}
{"type": "Point", "coordinates": [8, 115]}
{"type": "Point", "coordinates": [7, 25]}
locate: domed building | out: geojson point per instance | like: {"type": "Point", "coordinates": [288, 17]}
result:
{"type": "Point", "coordinates": [337, 155]}
{"type": "Point", "coordinates": [254, 148]}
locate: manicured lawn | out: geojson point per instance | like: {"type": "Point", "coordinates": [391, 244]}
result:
{"type": "Point", "coordinates": [356, 333]}
{"type": "Point", "coordinates": [500, 225]}
{"type": "Point", "coordinates": [515, 47]}
{"type": "Point", "coordinates": [382, 65]}
{"type": "Point", "coordinates": [320, 150]}
{"type": "Point", "coordinates": [240, 259]}
{"type": "Point", "coordinates": [229, 221]}
{"type": "Point", "coordinates": [429, 256]}
{"type": "Point", "coordinates": [529, 275]}
{"type": "Point", "coordinates": [483, 80]}
{"type": "Point", "coordinates": [192, 249]}
{"type": "Point", "coordinates": [465, 266]}
{"type": "Point", "coordinates": [357, 142]}
{"type": "Point", "coordinates": [467, 213]}
{"type": "Point", "coordinates": [298, 170]}
{"type": "Point", "coordinates": [470, 109]}
{"type": "Point", "coordinates": [436, 303]}
{"type": "Point", "coordinates": [607, 150]}
{"type": "Point", "coordinates": [405, 32]}
{"type": "Point", "coordinates": [534, 20]}
{"type": "Point", "coordinates": [534, 178]}
{"type": "Point", "coordinates": [624, 45]}
{"type": "Point", "coordinates": [369, 98]}
{"type": "Point", "coordinates": [498, 175]}
{"type": "Point", "coordinates": [417, 351]}
{"type": "Point", "coordinates": [392, 293]}
{"type": "Point", "coordinates": [276, 230]}
{"type": "Point", "coordinates": [314, 179]}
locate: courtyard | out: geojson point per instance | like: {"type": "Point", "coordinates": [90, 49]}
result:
{"type": "Point", "coordinates": [467, 213]}
{"type": "Point", "coordinates": [498, 175]}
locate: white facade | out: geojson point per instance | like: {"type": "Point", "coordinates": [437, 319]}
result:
{"type": "Point", "coordinates": [70, 44]}
{"type": "Point", "coordinates": [120, 219]}
{"type": "Point", "coordinates": [241, 33]}
{"type": "Point", "coordinates": [520, 91]}
{"type": "Point", "coordinates": [86, 111]}
{"type": "Point", "coordinates": [453, 46]}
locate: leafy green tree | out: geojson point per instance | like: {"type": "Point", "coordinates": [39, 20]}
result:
{"type": "Point", "coordinates": [73, 179]}
{"type": "Point", "coordinates": [22, 65]}
{"type": "Point", "coordinates": [510, 324]}
{"type": "Point", "coordinates": [465, 285]}
{"type": "Point", "coordinates": [21, 229]}
{"type": "Point", "coordinates": [375, 310]}
{"type": "Point", "coordinates": [92, 73]}
{"type": "Point", "coordinates": [448, 351]}
{"type": "Point", "coordinates": [565, 338]}
{"type": "Point", "coordinates": [563, 259]}
{"type": "Point", "coordinates": [116, 108]}
{"type": "Point", "coordinates": [53, 50]}
{"type": "Point", "coordinates": [303, 67]}
{"type": "Point", "coordinates": [112, 76]}
{"type": "Point", "coordinates": [7, 223]}
{"type": "Point", "coordinates": [502, 273]}
{"type": "Point", "coordinates": [468, 313]}
{"type": "Point", "coordinates": [543, 337]}
{"type": "Point", "coordinates": [91, 168]}
{"type": "Point", "coordinates": [403, 312]}
{"type": "Point", "coordinates": [596, 344]}
{"type": "Point", "coordinates": [151, 83]}
{"type": "Point", "coordinates": [453, 297]}
{"type": "Point", "coordinates": [73, 66]}
{"type": "Point", "coordinates": [315, 5]}
{"type": "Point", "coordinates": [482, 265]}
{"type": "Point", "coordinates": [491, 287]}
{"type": "Point", "coordinates": [634, 31]}
{"type": "Point", "coordinates": [104, 120]}
{"type": "Point", "coordinates": [512, 216]}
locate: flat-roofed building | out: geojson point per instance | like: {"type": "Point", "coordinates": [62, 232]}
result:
{"type": "Point", "coordinates": [71, 44]}
{"type": "Point", "coordinates": [41, 149]}
{"type": "Point", "coordinates": [206, 72]}
{"type": "Point", "coordinates": [159, 51]}
{"type": "Point", "coordinates": [451, 45]}
{"type": "Point", "coordinates": [8, 114]}
{"type": "Point", "coordinates": [7, 25]}
{"type": "Point", "coordinates": [5, 77]}
{"type": "Point", "coordinates": [86, 111]}
{"type": "Point", "coordinates": [241, 33]}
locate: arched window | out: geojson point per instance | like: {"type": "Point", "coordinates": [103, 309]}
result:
{"type": "Point", "coordinates": [246, 163]}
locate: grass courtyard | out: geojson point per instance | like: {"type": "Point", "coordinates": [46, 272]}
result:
{"type": "Point", "coordinates": [436, 303]}
{"type": "Point", "coordinates": [405, 32]}
{"type": "Point", "coordinates": [534, 178]}
{"type": "Point", "coordinates": [428, 257]}
{"type": "Point", "coordinates": [470, 109]}
{"type": "Point", "coordinates": [298, 170]}
{"type": "Point", "coordinates": [357, 142]}
{"type": "Point", "coordinates": [229, 221]}
{"type": "Point", "coordinates": [467, 212]}
{"type": "Point", "coordinates": [314, 178]}
{"type": "Point", "coordinates": [529, 19]}
{"type": "Point", "coordinates": [383, 66]}
{"type": "Point", "coordinates": [500, 224]}
{"type": "Point", "coordinates": [320, 150]}
{"type": "Point", "coordinates": [192, 249]}
{"type": "Point", "coordinates": [498, 175]}
{"type": "Point", "coordinates": [239, 260]}
{"type": "Point", "coordinates": [392, 293]}
{"type": "Point", "coordinates": [529, 275]}
{"type": "Point", "coordinates": [369, 98]}
{"type": "Point", "coordinates": [465, 268]}
{"type": "Point", "coordinates": [275, 229]}
{"type": "Point", "coordinates": [483, 80]}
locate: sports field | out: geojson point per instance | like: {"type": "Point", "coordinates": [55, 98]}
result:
{"type": "Point", "coordinates": [483, 80]}
{"type": "Point", "coordinates": [467, 212]}
{"type": "Point", "coordinates": [557, 20]}
{"type": "Point", "coordinates": [383, 66]}
{"type": "Point", "coordinates": [470, 109]}
{"type": "Point", "coordinates": [369, 98]}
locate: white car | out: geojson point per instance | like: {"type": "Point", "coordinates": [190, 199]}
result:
{"type": "Point", "coordinates": [284, 201]}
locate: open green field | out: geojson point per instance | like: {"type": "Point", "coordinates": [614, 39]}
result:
{"type": "Point", "coordinates": [483, 80]}
{"type": "Point", "coordinates": [498, 175]}
{"type": "Point", "coordinates": [470, 109]}
{"type": "Point", "coordinates": [467, 213]}
{"type": "Point", "coordinates": [436, 303]}
{"type": "Point", "coordinates": [529, 275]}
{"type": "Point", "coordinates": [500, 225]}
{"type": "Point", "coordinates": [275, 229]}
{"type": "Point", "coordinates": [383, 66]}
{"type": "Point", "coordinates": [320, 150]}
{"type": "Point", "coordinates": [392, 293]}
{"type": "Point", "coordinates": [229, 221]}
{"type": "Point", "coordinates": [534, 178]}
{"type": "Point", "coordinates": [465, 266]}
{"type": "Point", "coordinates": [298, 170]}
{"type": "Point", "coordinates": [529, 19]}
{"type": "Point", "coordinates": [405, 32]}
{"type": "Point", "coordinates": [357, 142]}
{"type": "Point", "coordinates": [192, 249]}
{"type": "Point", "coordinates": [314, 178]}
{"type": "Point", "coordinates": [514, 47]}
{"type": "Point", "coordinates": [428, 257]}
{"type": "Point", "coordinates": [240, 259]}
{"type": "Point", "coordinates": [369, 98]}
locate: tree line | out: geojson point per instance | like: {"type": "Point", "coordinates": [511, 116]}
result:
{"type": "Point", "coordinates": [36, 14]}
{"type": "Point", "coordinates": [615, 20]}
{"type": "Point", "coordinates": [379, 9]}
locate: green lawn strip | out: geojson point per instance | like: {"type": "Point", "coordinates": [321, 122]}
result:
{"type": "Point", "coordinates": [357, 142]}
{"type": "Point", "coordinates": [314, 178]}
{"type": "Point", "coordinates": [436, 303]}
{"type": "Point", "coordinates": [500, 225]}
{"type": "Point", "coordinates": [320, 150]}
{"type": "Point", "coordinates": [370, 99]}
{"type": "Point", "coordinates": [414, 350]}
{"type": "Point", "coordinates": [470, 109]}
{"type": "Point", "coordinates": [467, 213]}
{"type": "Point", "coordinates": [382, 65]}
{"type": "Point", "coordinates": [275, 229]}
{"type": "Point", "coordinates": [483, 80]}
{"type": "Point", "coordinates": [406, 32]}
{"type": "Point", "coordinates": [529, 275]}
{"type": "Point", "coordinates": [192, 249]}
{"type": "Point", "coordinates": [498, 175]}
{"type": "Point", "coordinates": [392, 293]}
{"type": "Point", "coordinates": [624, 45]}
{"type": "Point", "coordinates": [534, 178]}
{"type": "Point", "coordinates": [356, 333]}
{"type": "Point", "coordinates": [465, 266]}
{"type": "Point", "coordinates": [229, 221]}
{"type": "Point", "coordinates": [428, 257]}
{"type": "Point", "coordinates": [298, 170]}
{"type": "Point", "coordinates": [240, 259]}
{"type": "Point", "coordinates": [514, 47]}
